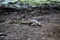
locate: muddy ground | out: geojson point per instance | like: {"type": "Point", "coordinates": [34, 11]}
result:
{"type": "Point", "coordinates": [50, 30]}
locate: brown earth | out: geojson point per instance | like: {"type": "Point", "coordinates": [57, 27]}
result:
{"type": "Point", "coordinates": [50, 30]}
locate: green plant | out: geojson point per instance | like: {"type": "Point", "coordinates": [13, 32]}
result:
{"type": "Point", "coordinates": [35, 2]}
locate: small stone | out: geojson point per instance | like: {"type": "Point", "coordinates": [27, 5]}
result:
{"type": "Point", "coordinates": [29, 39]}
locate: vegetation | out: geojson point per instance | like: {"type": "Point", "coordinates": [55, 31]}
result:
{"type": "Point", "coordinates": [35, 2]}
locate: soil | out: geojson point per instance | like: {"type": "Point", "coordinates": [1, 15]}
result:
{"type": "Point", "coordinates": [50, 30]}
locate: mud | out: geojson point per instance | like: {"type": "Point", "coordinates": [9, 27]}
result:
{"type": "Point", "coordinates": [50, 30]}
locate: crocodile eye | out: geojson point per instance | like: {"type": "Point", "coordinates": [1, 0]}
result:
{"type": "Point", "coordinates": [30, 23]}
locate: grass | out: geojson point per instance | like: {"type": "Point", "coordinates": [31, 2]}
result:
{"type": "Point", "coordinates": [36, 2]}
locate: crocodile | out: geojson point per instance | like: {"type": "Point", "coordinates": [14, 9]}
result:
{"type": "Point", "coordinates": [25, 22]}
{"type": "Point", "coordinates": [29, 22]}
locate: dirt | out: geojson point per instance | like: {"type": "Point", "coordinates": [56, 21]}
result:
{"type": "Point", "coordinates": [50, 30]}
